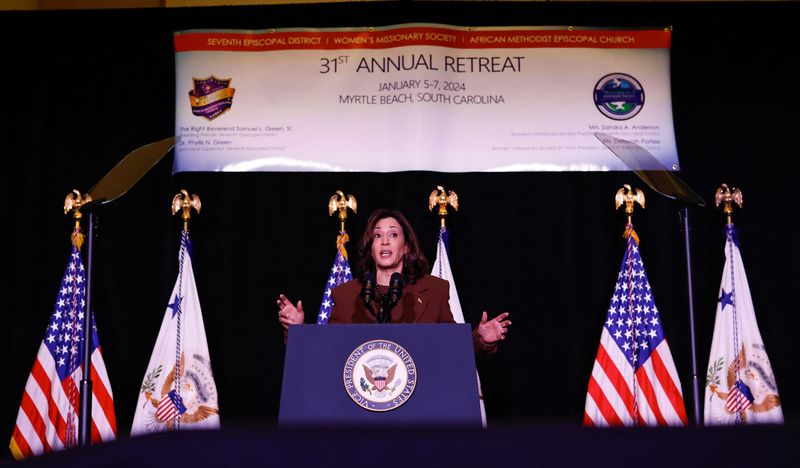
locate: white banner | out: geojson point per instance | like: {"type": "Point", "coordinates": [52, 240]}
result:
{"type": "Point", "coordinates": [420, 97]}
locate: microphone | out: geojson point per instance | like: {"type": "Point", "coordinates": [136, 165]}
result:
{"type": "Point", "coordinates": [395, 289]}
{"type": "Point", "coordinates": [368, 289]}
{"type": "Point", "coordinates": [391, 298]}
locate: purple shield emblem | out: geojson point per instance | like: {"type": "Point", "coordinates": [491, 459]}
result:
{"type": "Point", "coordinates": [211, 97]}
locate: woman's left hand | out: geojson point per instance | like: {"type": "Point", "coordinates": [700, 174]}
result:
{"type": "Point", "coordinates": [494, 330]}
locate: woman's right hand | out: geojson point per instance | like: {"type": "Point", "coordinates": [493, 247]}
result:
{"type": "Point", "coordinates": [288, 314]}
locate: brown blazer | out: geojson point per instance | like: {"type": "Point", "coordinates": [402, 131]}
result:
{"type": "Point", "coordinates": [426, 301]}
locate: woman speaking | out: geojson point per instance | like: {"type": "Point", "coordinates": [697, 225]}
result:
{"type": "Point", "coordinates": [394, 286]}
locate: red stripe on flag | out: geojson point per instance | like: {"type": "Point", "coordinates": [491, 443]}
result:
{"type": "Point", "coordinates": [640, 421]}
{"type": "Point", "coordinates": [22, 444]}
{"type": "Point", "coordinates": [71, 408]}
{"type": "Point", "coordinates": [605, 407]}
{"type": "Point", "coordinates": [95, 433]}
{"type": "Point", "coordinates": [35, 418]}
{"type": "Point", "coordinates": [615, 377]}
{"type": "Point", "coordinates": [670, 389]}
{"type": "Point", "coordinates": [650, 395]}
{"type": "Point", "coordinates": [53, 413]}
{"type": "Point", "coordinates": [587, 420]}
{"type": "Point", "coordinates": [104, 398]}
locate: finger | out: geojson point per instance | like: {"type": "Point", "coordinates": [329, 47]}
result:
{"type": "Point", "coordinates": [300, 306]}
{"type": "Point", "coordinates": [484, 317]}
{"type": "Point", "coordinates": [501, 316]}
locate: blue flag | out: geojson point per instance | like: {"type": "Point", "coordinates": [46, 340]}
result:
{"type": "Point", "coordinates": [340, 274]}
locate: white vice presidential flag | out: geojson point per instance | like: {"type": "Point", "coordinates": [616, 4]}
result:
{"type": "Point", "coordinates": [441, 268]}
{"type": "Point", "coordinates": [740, 385]}
{"type": "Point", "coordinates": [178, 390]}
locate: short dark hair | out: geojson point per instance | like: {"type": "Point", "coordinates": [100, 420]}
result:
{"type": "Point", "coordinates": [415, 265]}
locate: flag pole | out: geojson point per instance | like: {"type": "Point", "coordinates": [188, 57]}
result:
{"type": "Point", "coordinates": [726, 197]}
{"type": "Point", "coordinates": [184, 203]}
{"type": "Point", "coordinates": [340, 271]}
{"type": "Point", "coordinates": [629, 197]}
{"type": "Point", "coordinates": [73, 203]}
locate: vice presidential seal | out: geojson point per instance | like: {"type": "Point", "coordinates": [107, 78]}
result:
{"type": "Point", "coordinates": [380, 375]}
{"type": "Point", "coordinates": [618, 96]}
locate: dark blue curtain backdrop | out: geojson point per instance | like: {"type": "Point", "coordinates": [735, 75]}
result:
{"type": "Point", "coordinates": [82, 89]}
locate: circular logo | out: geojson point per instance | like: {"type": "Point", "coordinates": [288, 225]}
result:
{"type": "Point", "coordinates": [380, 375]}
{"type": "Point", "coordinates": [618, 96]}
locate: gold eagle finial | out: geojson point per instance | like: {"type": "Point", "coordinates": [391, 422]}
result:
{"type": "Point", "coordinates": [73, 202]}
{"type": "Point", "coordinates": [441, 197]}
{"type": "Point", "coordinates": [728, 197]}
{"type": "Point", "coordinates": [183, 202]}
{"type": "Point", "coordinates": [628, 196]}
{"type": "Point", "coordinates": [338, 202]}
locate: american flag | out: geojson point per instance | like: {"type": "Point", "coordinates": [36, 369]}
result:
{"type": "Point", "coordinates": [47, 419]}
{"type": "Point", "coordinates": [340, 273]}
{"type": "Point", "coordinates": [634, 380]}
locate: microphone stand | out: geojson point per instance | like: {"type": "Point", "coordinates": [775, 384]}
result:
{"type": "Point", "coordinates": [684, 215]}
{"type": "Point", "coordinates": [385, 308]}
{"type": "Point", "coordinates": [113, 185]}
{"type": "Point", "coordinates": [371, 310]}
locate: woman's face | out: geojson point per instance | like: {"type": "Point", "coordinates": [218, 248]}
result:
{"type": "Point", "coordinates": [388, 245]}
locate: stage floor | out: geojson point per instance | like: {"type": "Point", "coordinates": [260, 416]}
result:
{"type": "Point", "coordinates": [413, 447]}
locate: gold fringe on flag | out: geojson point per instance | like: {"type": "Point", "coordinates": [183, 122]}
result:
{"type": "Point", "coordinates": [630, 232]}
{"type": "Point", "coordinates": [342, 239]}
{"type": "Point", "coordinates": [77, 236]}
